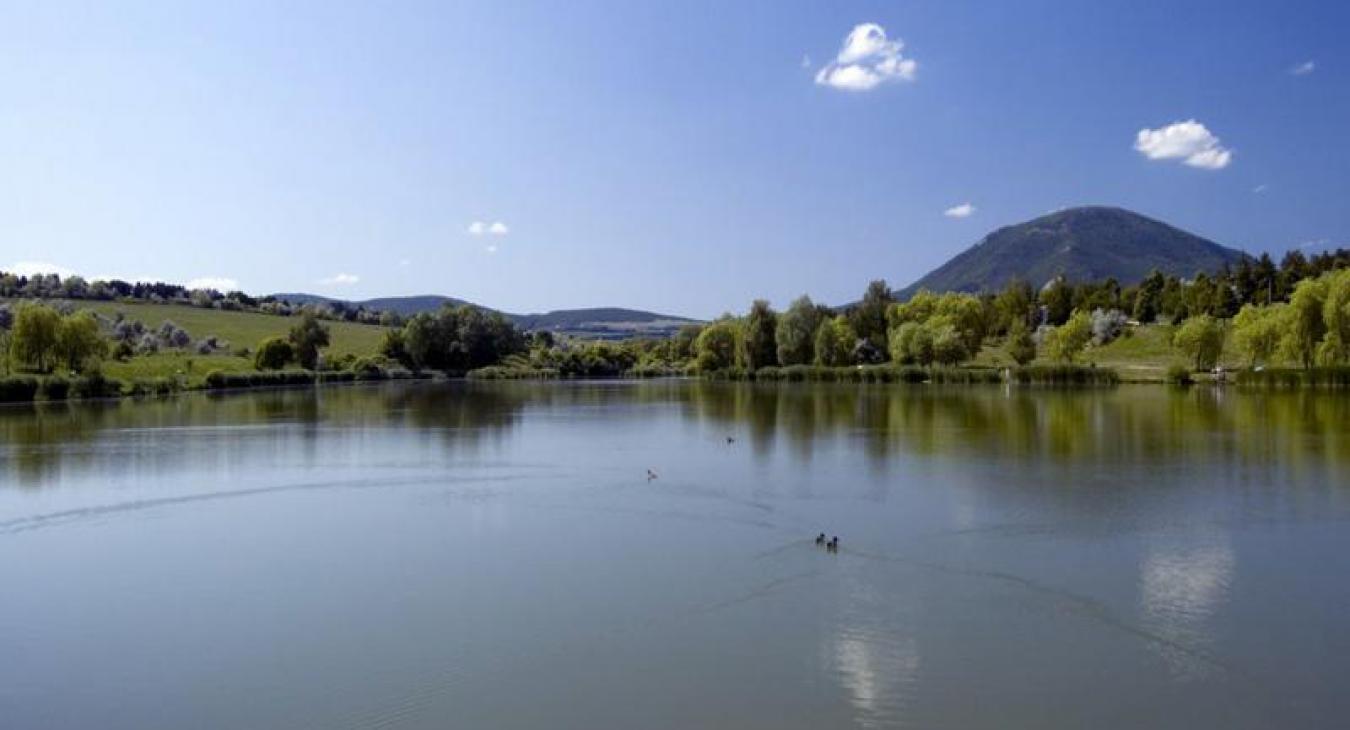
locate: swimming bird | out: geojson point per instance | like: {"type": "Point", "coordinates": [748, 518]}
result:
{"type": "Point", "coordinates": [650, 475]}
{"type": "Point", "coordinates": [731, 440]}
{"type": "Point", "coordinates": [833, 544]}
{"type": "Point", "coordinates": [820, 539]}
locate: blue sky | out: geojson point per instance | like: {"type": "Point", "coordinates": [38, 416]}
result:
{"type": "Point", "coordinates": [683, 157]}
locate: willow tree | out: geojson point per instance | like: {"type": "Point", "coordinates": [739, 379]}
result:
{"type": "Point", "coordinates": [796, 331]}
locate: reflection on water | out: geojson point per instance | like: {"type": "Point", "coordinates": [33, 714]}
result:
{"type": "Point", "coordinates": [493, 554]}
{"type": "Point", "coordinates": [875, 654]}
{"type": "Point", "coordinates": [1182, 583]}
{"type": "Point", "coordinates": [1248, 435]}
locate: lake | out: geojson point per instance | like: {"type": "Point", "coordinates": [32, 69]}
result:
{"type": "Point", "coordinates": [476, 555]}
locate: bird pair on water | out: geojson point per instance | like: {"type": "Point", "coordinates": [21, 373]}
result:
{"type": "Point", "coordinates": [831, 544]}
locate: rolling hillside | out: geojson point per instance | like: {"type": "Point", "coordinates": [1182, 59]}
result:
{"type": "Point", "coordinates": [598, 322]}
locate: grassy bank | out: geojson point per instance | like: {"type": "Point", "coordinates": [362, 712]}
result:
{"type": "Point", "coordinates": [1280, 378]}
{"type": "Point", "coordinates": [32, 388]}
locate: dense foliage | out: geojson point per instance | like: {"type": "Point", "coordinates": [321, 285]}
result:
{"type": "Point", "coordinates": [454, 339]}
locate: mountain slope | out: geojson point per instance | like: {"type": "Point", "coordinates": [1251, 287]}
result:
{"type": "Point", "coordinates": [1081, 244]}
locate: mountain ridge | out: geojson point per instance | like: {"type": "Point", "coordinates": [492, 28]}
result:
{"type": "Point", "coordinates": [592, 321]}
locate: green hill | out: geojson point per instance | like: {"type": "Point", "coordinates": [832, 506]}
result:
{"type": "Point", "coordinates": [1080, 244]}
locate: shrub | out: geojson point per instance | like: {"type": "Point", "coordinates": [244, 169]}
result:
{"type": "Point", "coordinates": [217, 380]}
{"type": "Point", "coordinates": [1179, 375]}
{"type": "Point", "coordinates": [18, 389]}
{"type": "Point", "coordinates": [153, 386]}
{"type": "Point", "coordinates": [54, 388]}
{"type": "Point", "coordinates": [95, 385]}
{"type": "Point", "coordinates": [498, 372]}
{"type": "Point", "coordinates": [1064, 375]}
{"type": "Point", "coordinates": [273, 354]}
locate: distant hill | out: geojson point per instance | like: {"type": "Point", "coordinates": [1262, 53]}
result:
{"type": "Point", "coordinates": [1081, 244]}
{"type": "Point", "coordinates": [599, 323]}
{"type": "Point", "coordinates": [399, 305]}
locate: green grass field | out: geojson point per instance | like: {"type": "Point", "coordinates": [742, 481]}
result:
{"type": "Point", "coordinates": [1143, 353]}
{"type": "Point", "coordinates": [239, 329]}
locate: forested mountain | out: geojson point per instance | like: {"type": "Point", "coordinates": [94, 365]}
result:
{"type": "Point", "coordinates": [1080, 244]}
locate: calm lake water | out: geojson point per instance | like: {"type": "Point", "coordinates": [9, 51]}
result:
{"type": "Point", "coordinates": [494, 556]}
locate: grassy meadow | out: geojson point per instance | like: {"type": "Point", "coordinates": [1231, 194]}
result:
{"type": "Point", "coordinates": [1142, 354]}
{"type": "Point", "coordinates": [239, 329]}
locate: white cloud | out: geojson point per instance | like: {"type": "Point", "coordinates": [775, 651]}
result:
{"type": "Point", "coordinates": [867, 60]}
{"type": "Point", "coordinates": [491, 248]}
{"type": "Point", "coordinates": [806, 61]}
{"type": "Point", "coordinates": [481, 228]}
{"type": "Point", "coordinates": [340, 280]}
{"type": "Point", "coordinates": [1188, 141]}
{"type": "Point", "coordinates": [28, 268]}
{"type": "Point", "coordinates": [1260, 188]}
{"type": "Point", "coordinates": [964, 210]}
{"type": "Point", "coordinates": [219, 283]}
{"type": "Point", "coordinates": [1303, 69]}
{"type": "Point", "coordinates": [405, 262]}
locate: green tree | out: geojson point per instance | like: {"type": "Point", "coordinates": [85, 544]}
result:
{"type": "Point", "coordinates": [919, 308]}
{"type": "Point", "coordinates": [1304, 326]}
{"type": "Point", "coordinates": [1057, 298]}
{"type": "Point", "coordinates": [1257, 331]}
{"type": "Point", "coordinates": [1148, 300]}
{"type": "Point", "coordinates": [1021, 347]}
{"type": "Point", "coordinates": [912, 344]}
{"type": "Point", "coordinates": [834, 342]}
{"type": "Point", "coordinates": [797, 331]}
{"type": "Point", "coordinates": [393, 347]}
{"type": "Point", "coordinates": [761, 345]}
{"type": "Point", "coordinates": [966, 315]}
{"type": "Point", "coordinates": [868, 318]}
{"type": "Point", "coordinates": [273, 354]}
{"type": "Point", "coordinates": [35, 335]}
{"type": "Point", "coordinates": [78, 340]}
{"type": "Point", "coordinates": [1200, 338]}
{"type": "Point", "coordinates": [1065, 342]}
{"type": "Point", "coordinates": [717, 346]}
{"type": "Point", "coordinates": [1335, 347]}
{"type": "Point", "coordinates": [1016, 302]}
{"type": "Point", "coordinates": [307, 337]}
{"type": "Point", "coordinates": [682, 344]}
{"type": "Point", "coordinates": [949, 346]}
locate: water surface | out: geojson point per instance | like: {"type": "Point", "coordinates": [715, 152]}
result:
{"type": "Point", "coordinates": [494, 555]}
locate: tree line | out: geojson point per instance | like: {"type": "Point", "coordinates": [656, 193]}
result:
{"type": "Point", "coordinates": [54, 286]}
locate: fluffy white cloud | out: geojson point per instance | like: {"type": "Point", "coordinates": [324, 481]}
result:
{"type": "Point", "coordinates": [340, 280]}
{"type": "Point", "coordinates": [1188, 141]}
{"type": "Point", "coordinates": [219, 283]}
{"type": "Point", "coordinates": [964, 210]}
{"type": "Point", "coordinates": [1303, 69]}
{"type": "Point", "coordinates": [867, 59]}
{"type": "Point", "coordinates": [28, 268]}
{"type": "Point", "coordinates": [491, 248]}
{"type": "Point", "coordinates": [483, 228]}
{"type": "Point", "coordinates": [1261, 188]}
